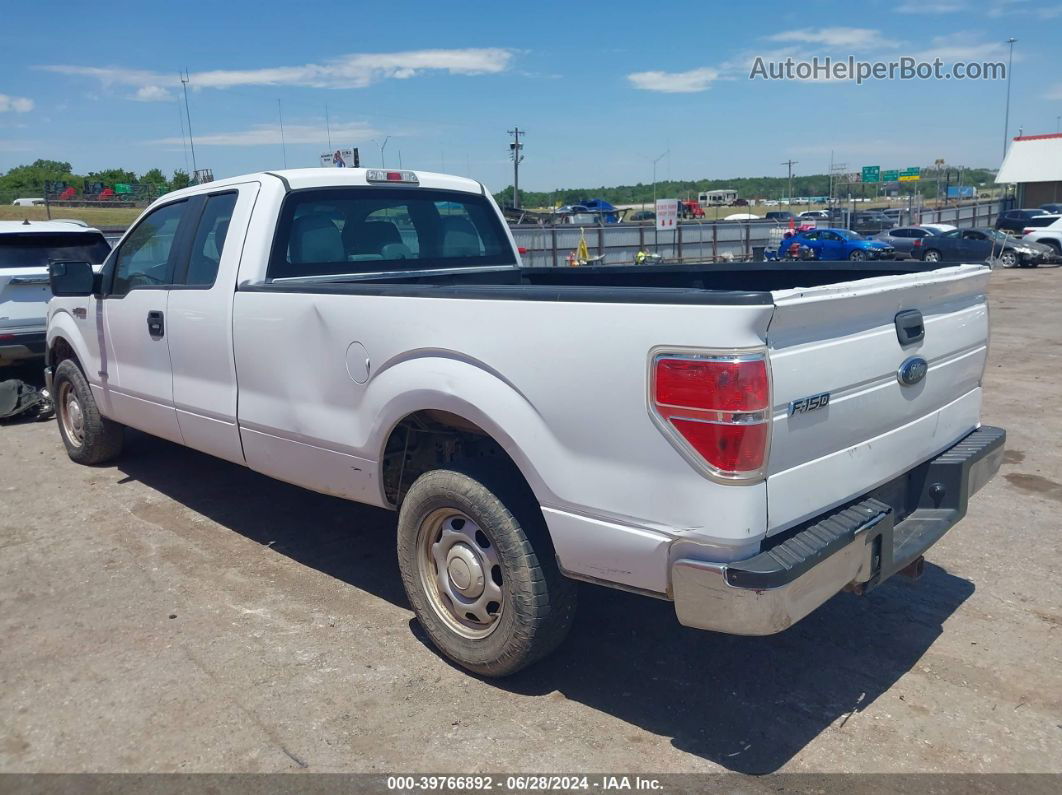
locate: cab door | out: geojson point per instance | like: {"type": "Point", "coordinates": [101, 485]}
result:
{"type": "Point", "coordinates": [200, 323]}
{"type": "Point", "coordinates": [137, 382]}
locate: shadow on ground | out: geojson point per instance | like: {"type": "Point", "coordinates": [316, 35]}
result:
{"type": "Point", "coordinates": [748, 704]}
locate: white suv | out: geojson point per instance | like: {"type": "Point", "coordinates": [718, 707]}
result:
{"type": "Point", "coordinates": [1046, 229]}
{"type": "Point", "coordinates": [26, 248]}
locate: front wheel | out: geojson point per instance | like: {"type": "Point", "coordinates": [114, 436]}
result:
{"type": "Point", "coordinates": [1008, 259]}
{"type": "Point", "coordinates": [479, 570]}
{"type": "Point", "coordinates": [932, 256]}
{"type": "Point", "coordinates": [89, 437]}
{"type": "Point", "coordinates": [858, 255]}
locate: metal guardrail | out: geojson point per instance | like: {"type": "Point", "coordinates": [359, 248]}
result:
{"type": "Point", "coordinates": [691, 241]}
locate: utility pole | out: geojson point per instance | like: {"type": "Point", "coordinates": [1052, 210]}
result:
{"type": "Point", "coordinates": [328, 127]}
{"type": "Point", "coordinates": [191, 141]}
{"type": "Point", "coordinates": [1006, 115]}
{"type": "Point", "coordinates": [790, 163]}
{"type": "Point", "coordinates": [516, 153]}
{"type": "Point", "coordinates": [283, 143]}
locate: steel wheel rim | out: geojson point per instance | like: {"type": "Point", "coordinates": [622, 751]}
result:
{"type": "Point", "coordinates": [932, 256]}
{"type": "Point", "coordinates": [71, 414]}
{"type": "Point", "coordinates": [460, 573]}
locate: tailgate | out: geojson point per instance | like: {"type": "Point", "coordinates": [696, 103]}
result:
{"type": "Point", "coordinates": [843, 339]}
{"type": "Point", "coordinates": [24, 294]}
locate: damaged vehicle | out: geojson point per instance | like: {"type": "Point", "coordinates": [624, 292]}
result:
{"type": "Point", "coordinates": [744, 441]}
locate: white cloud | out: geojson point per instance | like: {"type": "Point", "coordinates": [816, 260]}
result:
{"type": "Point", "coordinates": [356, 70]}
{"type": "Point", "coordinates": [269, 135]}
{"type": "Point", "coordinates": [15, 104]}
{"type": "Point", "coordinates": [152, 94]}
{"type": "Point", "coordinates": [966, 46]}
{"type": "Point", "coordinates": [847, 38]}
{"type": "Point", "coordinates": [931, 7]}
{"type": "Point", "coordinates": [675, 82]}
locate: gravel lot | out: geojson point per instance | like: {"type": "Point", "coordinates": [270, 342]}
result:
{"type": "Point", "coordinates": [178, 613]}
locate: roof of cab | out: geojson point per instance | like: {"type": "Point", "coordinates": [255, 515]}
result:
{"type": "Point", "coordinates": [9, 227]}
{"type": "Point", "coordinates": [300, 178]}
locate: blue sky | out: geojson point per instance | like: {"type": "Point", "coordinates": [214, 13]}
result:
{"type": "Point", "coordinates": [601, 88]}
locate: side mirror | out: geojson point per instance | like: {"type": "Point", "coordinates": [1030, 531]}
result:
{"type": "Point", "coordinates": [71, 278]}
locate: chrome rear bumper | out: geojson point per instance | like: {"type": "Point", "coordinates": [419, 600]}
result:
{"type": "Point", "coordinates": [860, 545]}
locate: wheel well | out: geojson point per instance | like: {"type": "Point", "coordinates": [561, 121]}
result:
{"type": "Point", "coordinates": [431, 439]}
{"type": "Point", "coordinates": [60, 350]}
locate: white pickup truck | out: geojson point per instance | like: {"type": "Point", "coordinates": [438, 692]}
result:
{"type": "Point", "coordinates": [745, 440]}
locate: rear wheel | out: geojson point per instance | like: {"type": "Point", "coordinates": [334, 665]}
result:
{"type": "Point", "coordinates": [89, 437]}
{"type": "Point", "coordinates": [932, 255]}
{"type": "Point", "coordinates": [480, 572]}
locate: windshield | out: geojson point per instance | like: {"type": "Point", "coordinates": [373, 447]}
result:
{"type": "Point", "coordinates": [335, 231]}
{"type": "Point", "coordinates": [848, 234]}
{"type": "Point", "coordinates": [36, 249]}
{"type": "Point", "coordinates": [997, 235]}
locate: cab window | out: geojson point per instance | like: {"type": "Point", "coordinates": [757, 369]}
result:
{"type": "Point", "coordinates": [145, 257]}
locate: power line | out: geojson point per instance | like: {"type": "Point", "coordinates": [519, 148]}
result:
{"type": "Point", "coordinates": [283, 144]}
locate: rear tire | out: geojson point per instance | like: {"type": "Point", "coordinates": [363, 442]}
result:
{"type": "Point", "coordinates": [480, 571]}
{"type": "Point", "coordinates": [932, 255]}
{"type": "Point", "coordinates": [89, 437]}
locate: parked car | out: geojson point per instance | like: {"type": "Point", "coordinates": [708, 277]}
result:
{"type": "Point", "coordinates": [642, 215]}
{"type": "Point", "coordinates": [1053, 208]}
{"type": "Point", "coordinates": [870, 222]}
{"type": "Point", "coordinates": [26, 248]}
{"type": "Point", "coordinates": [780, 215]}
{"type": "Point", "coordinates": [699, 464]}
{"type": "Point", "coordinates": [1038, 222]}
{"type": "Point", "coordinates": [1014, 221]}
{"type": "Point", "coordinates": [1048, 235]}
{"type": "Point", "coordinates": [906, 239]}
{"type": "Point", "coordinates": [979, 245]}
{"type": "Point", "coordinates": [814, 215]}
{"type": "Point", "coordinates": [938, 228]}
{"type": "Point", "coordinates": [24, 202]}
{"type": "Point", "coordinates": [838, 244]}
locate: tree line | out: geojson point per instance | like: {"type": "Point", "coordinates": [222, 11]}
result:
{"type": "Point", "coordinates": [29, 180]}
{"type": "Point", "coordinates": [933, 180]}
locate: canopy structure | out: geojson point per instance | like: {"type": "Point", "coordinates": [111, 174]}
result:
{"type": "Point", "coordinates": [1034, 164]}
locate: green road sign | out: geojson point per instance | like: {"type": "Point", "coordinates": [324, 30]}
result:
{"type": "Point", "coordinates": [871, 173]}
{"type": "Point", "coordinates": [911, 174]}
{"type": "Point", "coordinates": [890, 176]}
{"type": "Point", "coordinates": [122, 188]}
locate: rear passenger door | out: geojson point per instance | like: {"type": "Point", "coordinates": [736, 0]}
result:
{"type": "Point", "coordinates": [200, 322]}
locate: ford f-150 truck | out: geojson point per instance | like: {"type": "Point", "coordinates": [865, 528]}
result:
{"type": "Point", "coordinates": [745, 441]}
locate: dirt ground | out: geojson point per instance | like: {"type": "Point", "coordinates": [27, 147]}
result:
{"type": "Point", "coordinates": [177, 613]}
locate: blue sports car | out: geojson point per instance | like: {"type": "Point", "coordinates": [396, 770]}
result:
{"type": "Point", "coordinates": [834, 244]}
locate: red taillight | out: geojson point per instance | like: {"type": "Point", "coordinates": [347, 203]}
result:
{"type": "Point", "coordinates": [522, 249]}
{"type": "Point", "coordinates": [1028, 231]}
{"type": "Point", "coordinates": [918, 243]}
{"type": "Point", "coordinates": [394, 176]}
{"type": "Point", "coordinates": [716, 407]}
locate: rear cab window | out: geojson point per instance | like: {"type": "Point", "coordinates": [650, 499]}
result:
{"type": "Point", "coordinates": [365, 229]}
{"type": "Point", "coordinates": [36, 249]}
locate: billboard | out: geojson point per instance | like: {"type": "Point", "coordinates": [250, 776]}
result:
{"type": "Point", "coordinates": [960, 191]}
{"type": "Point", "coordinates": [341, 158]}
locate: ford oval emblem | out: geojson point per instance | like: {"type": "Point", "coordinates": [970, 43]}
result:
{"type": "Point", "coordinates": [912, 371]}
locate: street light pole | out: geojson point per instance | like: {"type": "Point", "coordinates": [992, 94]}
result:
{"type": "Point", "coordinates": [1006, 115]}
{"type": "Point", "coordinates": [383, 163]}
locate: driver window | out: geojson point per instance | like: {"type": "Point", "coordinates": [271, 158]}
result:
{"type": "Point", "coordinates": [143, 259]}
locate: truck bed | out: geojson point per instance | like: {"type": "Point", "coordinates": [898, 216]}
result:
{"type": "Point", "coordinates": [745, 283]}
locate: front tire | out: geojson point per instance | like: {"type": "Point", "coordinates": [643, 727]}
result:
{"type": "Point", "coordinates": [857, 255]}
{"type": "Point", "coordinates": [932, 256]}
{"type": "Point", "coordinates": [1008, 259]}
{"type": "Point", "coordinates": [479, 570]}
{"type": "Point", "coordinates": [89, 437]}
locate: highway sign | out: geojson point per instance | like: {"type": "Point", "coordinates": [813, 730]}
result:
{"type": "Point", "coordinates": [890, 176]}
{"type": "Point", "coordinates": [871, 173]}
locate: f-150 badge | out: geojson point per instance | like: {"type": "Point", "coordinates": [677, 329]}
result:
{"type": "Point", "coordinates": [810, 403]}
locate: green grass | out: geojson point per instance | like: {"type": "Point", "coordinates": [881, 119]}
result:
{"type": "Point", "coordinates": [93, 216]}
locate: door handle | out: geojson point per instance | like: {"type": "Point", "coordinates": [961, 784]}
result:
{"type": "Point", "coordinates": [156, 327]}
